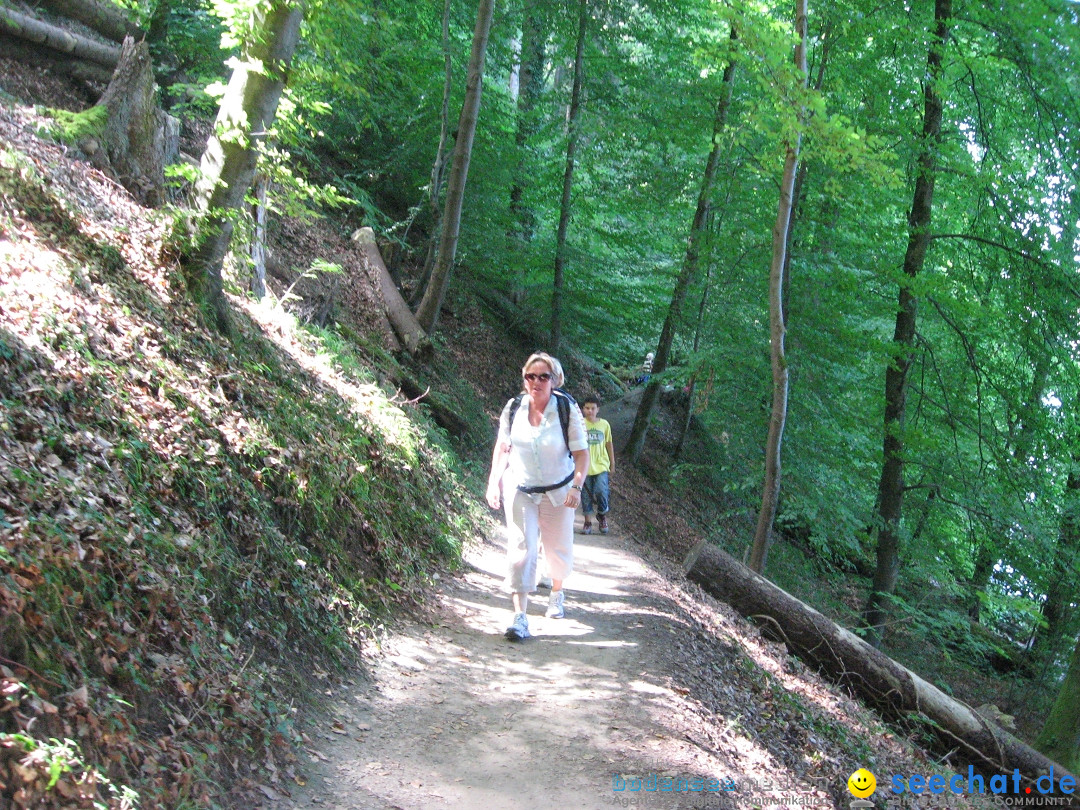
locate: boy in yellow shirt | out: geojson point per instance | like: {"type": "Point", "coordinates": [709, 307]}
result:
{"type": "Point", "coordinates": [596, 492]}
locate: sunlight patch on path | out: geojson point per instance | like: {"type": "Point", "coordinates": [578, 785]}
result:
{"type": "Point", "coordinates": [459, 717]}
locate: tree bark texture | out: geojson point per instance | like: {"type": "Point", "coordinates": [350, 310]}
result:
{"type": "Point", "coordinates": [404, 323]}
{"type": "Point", "coordinates": [134, 137]}
{"type": "Point", "coordinates": [891, 484]}
{"type": "Point", "coordinates": [228, 164]}
{"type": "Point", "coordinates": [636, 443]}
{"type": "Point", "coordinates": [105, 18]}
{"type": "Point", "coordinates": [770, 496]}
{"type": "Point", "coordinates": [568, 182]}
{"type": "Point", "coordinates": [258, 243]}
{"type": "Point", "coordinates": [57, 39]}
{"type": "Point", "coordinates": [848, 660]}
{"type": "Point", "coordinates": [1060, 737]}
{"type": "Point", "coordinates": [428, 312]}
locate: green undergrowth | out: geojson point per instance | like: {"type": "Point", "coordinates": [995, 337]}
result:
{"type": "Point", "coordinates": [192, 526]}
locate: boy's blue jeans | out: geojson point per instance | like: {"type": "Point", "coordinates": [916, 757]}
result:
{"type": "Point", "coordinates": [595, 494]}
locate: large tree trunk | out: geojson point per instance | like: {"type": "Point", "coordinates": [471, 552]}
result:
{"type": "Point", "coordinates": [105, 18]}
{"type": "Point", "coordinates": [405, 325]}
{"type": "Point", "coordinates": [428, 312]}
{"type": "Point", "coordinates": [636, 442]}
{"type": "Point", "coordinates": [848, 660]}
{"type": "Point", "coordinates": [134, 136]}
{"type": "Point", "coordinates": [228, 164]}
{"type": "Point", "coordinates": [891, 485]}
{"type": "Point", "coordinates": [1060, 737]}
{"type": "Point", "coordinates": [568, 182]}
{"type": "Point", "coordinates": [770, 497]}
{"type": "Point", "coordinates": [57, 39]}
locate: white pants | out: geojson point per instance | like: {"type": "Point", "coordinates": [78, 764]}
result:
{"type": "Point", "coordinates": [533, 518]}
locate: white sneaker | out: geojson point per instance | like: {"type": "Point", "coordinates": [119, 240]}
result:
{"type": "Point", "coordinates": [555, 605]}
{"type": "Point", "coordinates": [544, 582]}
{"type": "Point", "coordinates": [519, 630]}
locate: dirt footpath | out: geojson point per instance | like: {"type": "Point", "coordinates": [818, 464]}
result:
{"type": "Point", "coordinates": [458, 717]}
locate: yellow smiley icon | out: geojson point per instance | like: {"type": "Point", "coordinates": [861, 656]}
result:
{"type": "Point", "coordinates": [861, 783]}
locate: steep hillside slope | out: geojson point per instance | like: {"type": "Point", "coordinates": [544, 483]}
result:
{"type": "Point", "coordinates": [192, 527]}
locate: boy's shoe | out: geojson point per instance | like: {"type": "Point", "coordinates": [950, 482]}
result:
{"type": "Point", "coordinates": [555, 605]}
{"type": "Point", "coordinates": [602, 520]}
{"type": "Point", "coordinates": [544, 582]}
{"type": "Point", "coordinates": [519, 630]}
{"type": "Point", "coordinates": [587, 528]}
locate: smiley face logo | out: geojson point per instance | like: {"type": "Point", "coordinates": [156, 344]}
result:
{"type": "Point", "coordinates": [861, 783]}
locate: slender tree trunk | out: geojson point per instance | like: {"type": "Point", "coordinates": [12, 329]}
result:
{"type": "Point", "coordinates": [258, 244]}
{"type": "Point", "coordinates": [428, 312]}
{"type": "Point", "coordinates": [800, 176]}
{"type": "Point", "coordinates": [636, 442]}
{"type": "Point", "coordinates": [770, 498]}
{"type": "Point", "coordinates": [531, 81]}
{"type": "Point", "coordinates": [691, 388]}
{"type": "Point", "coordinates": [1060, 737]}
{"type": "Point", "coordinates": [568, 181]}
{"type": "Point", "coordinates": [891, 485]}
{"type": "Point", "coordinates": [980, 577]}
{"type": "Point", "coordinates": [244, 119]}
{"type": "Point", "coordinates": [438, 166]}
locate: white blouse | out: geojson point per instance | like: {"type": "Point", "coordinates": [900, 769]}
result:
{"type": "Point", "coordinates": [538, 454]}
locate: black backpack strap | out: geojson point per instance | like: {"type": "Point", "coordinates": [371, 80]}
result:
{"type": "Point", "coordinates": [562, 405]}
{"type": "Point", "coordinates": [515, 403]}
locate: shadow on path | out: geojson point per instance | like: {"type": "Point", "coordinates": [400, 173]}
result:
{"type": "Point", "coordinates": [459, 717]}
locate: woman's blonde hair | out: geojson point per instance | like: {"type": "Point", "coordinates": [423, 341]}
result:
{"type": "Point", "coordinates": [556, 367]}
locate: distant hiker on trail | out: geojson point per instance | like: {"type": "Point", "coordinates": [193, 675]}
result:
{"type": "Point", "coordinates": [597, 490]}
{"type": "Point", "coordinates": [646, 369]}
{"type": "Point", "coordinates": [543, 450]}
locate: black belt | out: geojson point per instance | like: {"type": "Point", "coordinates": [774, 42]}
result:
{"type": "Point", "coordinates": [546, 487]}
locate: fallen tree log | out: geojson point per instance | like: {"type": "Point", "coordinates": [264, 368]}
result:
{"type": "Point", "coordinates": [892, 689]}
{"type": "Point", "coordinates": [28, 53]}
{"type": "Point", "coordinates": [107, 19]}
{"type": "Point", "coordinates": [408, 329]}
{"type": "Point", "coordinates": [50, 36]}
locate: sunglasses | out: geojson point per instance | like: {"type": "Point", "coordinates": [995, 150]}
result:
{"type": "Point", "coordinates": [541, 377]}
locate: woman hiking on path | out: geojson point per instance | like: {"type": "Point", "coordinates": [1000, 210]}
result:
{"type": "Point", "coordinates": [545, 465]}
